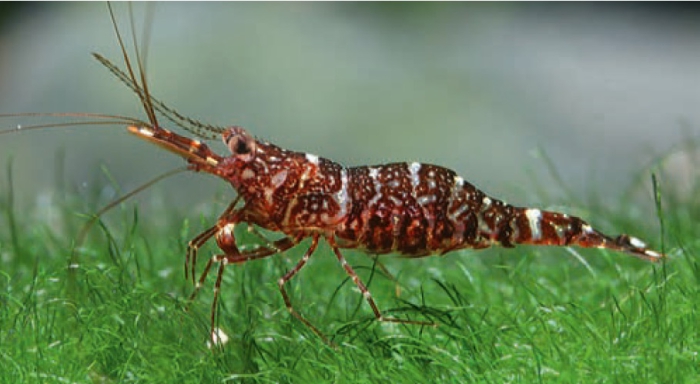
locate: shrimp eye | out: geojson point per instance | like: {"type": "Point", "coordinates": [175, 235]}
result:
{"type": "Point", "coordinates": [239, 142]}
{"type": "Point", "coordinates": [239, 147]}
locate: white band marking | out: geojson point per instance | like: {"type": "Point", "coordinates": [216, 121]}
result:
{"type": "Point", "coordinates": [534, 217]}
{"type": "Point", "coordinates": [313, 159]}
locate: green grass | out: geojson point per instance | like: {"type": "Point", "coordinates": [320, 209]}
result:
{"type": "Point", "coordinates": [119, 313]}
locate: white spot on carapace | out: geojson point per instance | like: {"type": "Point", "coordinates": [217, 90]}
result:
{"type": "Point", "coordinates": [457, 188]}
{"type": "Point", "coordinates": [486, 201]}
{"type": "Point", "coordinates": [459, 211]}
{"type": "Point", "coordinates": [247, 174]}
{"type": "Point", "coordinates": [414, 168]}
{"type": "Point", "coordinates": [279, 178]}
{"type": "Point", "coordinates": [312, 158]}
{"type": "Point", "coordinates": [587, 229]}
{"type": "Point", "coordinates": [341, 197]}
{"type": "Point", "coordinates": [534, 218]}
{"type": "Point", "coordinates": [374, 174]}
{"type": "Point", "coordinates": [427, 199]}
{"type": "Point", "coordinates": [635, 242]}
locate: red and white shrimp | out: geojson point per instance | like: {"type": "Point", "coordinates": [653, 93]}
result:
{"type": "Point", "coordinates": [411, 209]}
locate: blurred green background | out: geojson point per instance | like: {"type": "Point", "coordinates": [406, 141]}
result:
{"type": "Point", "coordinates": [603, 89]}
